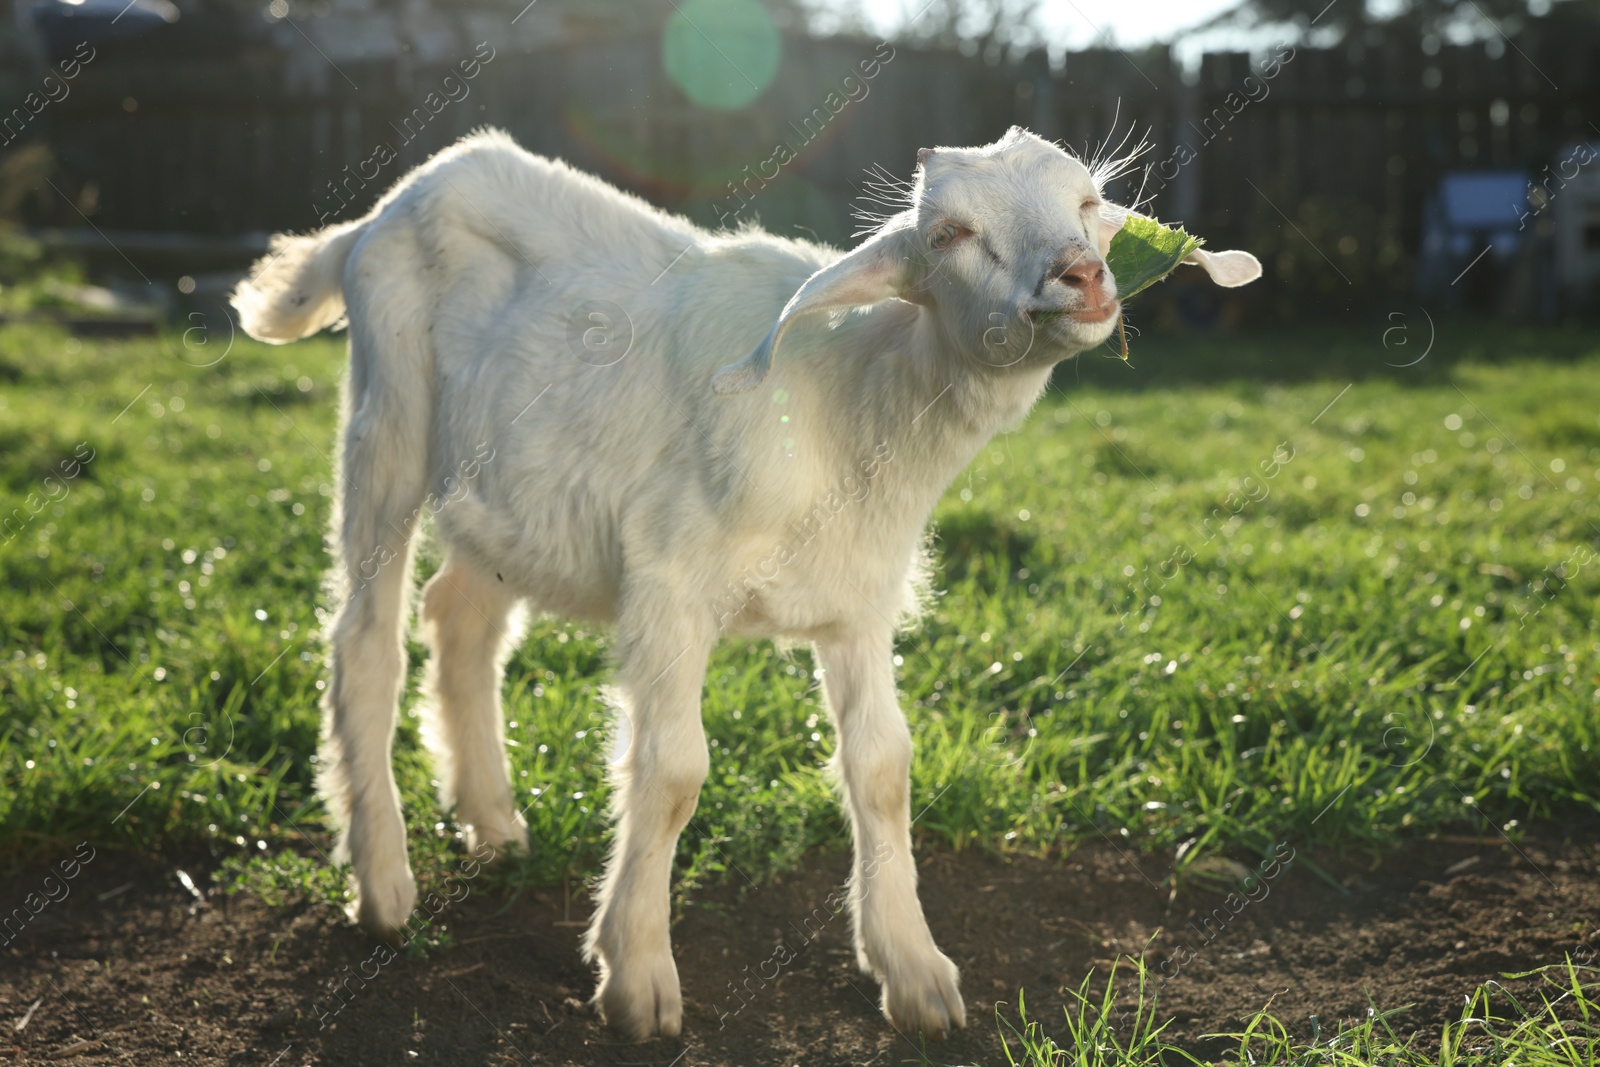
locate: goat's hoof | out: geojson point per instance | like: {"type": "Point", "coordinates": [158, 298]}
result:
{"type": "Point", "coordinates": [925, 994]}
{"type": "Point", "coordinates": [503, 835]}
{"type": "Point", "coordinates": [641, 998]}
{"type": "Point", "coordinates": [383, 902]}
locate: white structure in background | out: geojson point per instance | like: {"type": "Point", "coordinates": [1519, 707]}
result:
{"type": "Point", "coordinates": [1569, 191]}
{"type": "Point", "coordinates": [1472, 216]}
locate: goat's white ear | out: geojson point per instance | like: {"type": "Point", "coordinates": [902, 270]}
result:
{"type": "Point", "coordinates": [1227, 268]}
{"type": "Point", "coordinates": [1112, 219]}
{"type": "Point", "coordinates": [878, 270]}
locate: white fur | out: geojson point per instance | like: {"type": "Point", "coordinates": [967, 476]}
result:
{"type": "Point", "coordinates": [785, 495]}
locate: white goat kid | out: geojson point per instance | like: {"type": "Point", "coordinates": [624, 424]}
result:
{"type": "Point", "coordinates": [489, 296]}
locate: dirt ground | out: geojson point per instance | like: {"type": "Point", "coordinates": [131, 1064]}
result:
{"type": "Point", "coordinates": [130, 967]}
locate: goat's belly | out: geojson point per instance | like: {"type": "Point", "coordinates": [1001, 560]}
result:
{"type": "Point", "coordinates": [558, 594]}
{"type": "Point", "coordinates": [808, 605]}
{"type": "Point", "coordinates": [576, 577]}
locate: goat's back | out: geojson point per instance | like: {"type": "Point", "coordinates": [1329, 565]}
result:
{"type": "Point", "coordinates": [573, 332]}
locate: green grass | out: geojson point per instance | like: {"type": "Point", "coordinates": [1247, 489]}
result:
{"type": "Point", "coordinates": [1116, 1028]}
{"type": "Point", "coordinates": [1375, 645]}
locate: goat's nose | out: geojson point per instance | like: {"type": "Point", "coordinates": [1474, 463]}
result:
{"type": "Point", "coordinates": [1084, 274]}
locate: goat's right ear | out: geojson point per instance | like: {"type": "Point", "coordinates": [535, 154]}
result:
{"type": "Point", "coordinates": [878, 270]}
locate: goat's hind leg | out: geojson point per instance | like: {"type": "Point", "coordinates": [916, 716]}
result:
{"type": "Point", "coordinates": [466, 622]}
{"type": "Point", "coordinates": [382, 478]}
{"type": "Point", "coordinates": [367, 666]}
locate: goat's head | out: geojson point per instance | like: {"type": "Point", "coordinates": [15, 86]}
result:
{"type": "Point", "coordinates": [1003, 246]}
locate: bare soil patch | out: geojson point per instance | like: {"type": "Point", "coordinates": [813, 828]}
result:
{"type": "Point", "coordinates": [130, 967]}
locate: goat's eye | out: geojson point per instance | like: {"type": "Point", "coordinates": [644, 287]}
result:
{"type": "Point", "coordinates": [1090, 205]}
{"type": "Point", "coordinates": [944, 235]}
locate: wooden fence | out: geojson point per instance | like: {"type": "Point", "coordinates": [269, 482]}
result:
{"type": "Point", "coordinates": [1317, 159]}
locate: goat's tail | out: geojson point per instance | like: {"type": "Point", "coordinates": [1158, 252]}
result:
{"type": "Point", "coordinates": [297, 288]}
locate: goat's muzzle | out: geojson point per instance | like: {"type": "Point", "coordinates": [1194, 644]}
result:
{"type": "Point", "coordinates": [1086, 276]}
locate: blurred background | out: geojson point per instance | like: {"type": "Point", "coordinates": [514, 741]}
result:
{"type": "Point", "coordinates": [1429, 151]}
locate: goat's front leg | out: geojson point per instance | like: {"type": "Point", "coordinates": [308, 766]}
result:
{"type": "Point", "coordinates": [656, 785]}
{"type": "Point", "coordinates": [893, 943]}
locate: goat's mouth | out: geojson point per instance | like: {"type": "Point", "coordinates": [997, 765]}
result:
{"type": "Point", "coordinates": [1086, 316]}
{"type": "Point", "coordinates": [1095, 315]}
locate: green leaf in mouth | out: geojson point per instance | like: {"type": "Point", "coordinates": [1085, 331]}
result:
{"type": "Point", "coordinates": [1142, 253]}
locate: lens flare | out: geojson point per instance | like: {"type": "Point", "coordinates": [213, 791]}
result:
{"type": "Point", "coordinates": [722, 53]}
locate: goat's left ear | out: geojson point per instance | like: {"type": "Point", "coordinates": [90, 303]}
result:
{"type": "Point", "coordinates": [878, 270]}
{"type": "Point", "coordinates": [1112, 219]}
{"type": "Point", "coordinates": [1227, 268]}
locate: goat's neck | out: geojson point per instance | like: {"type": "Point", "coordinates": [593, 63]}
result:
{"type": "Point", "coordinates": [908, 385]}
